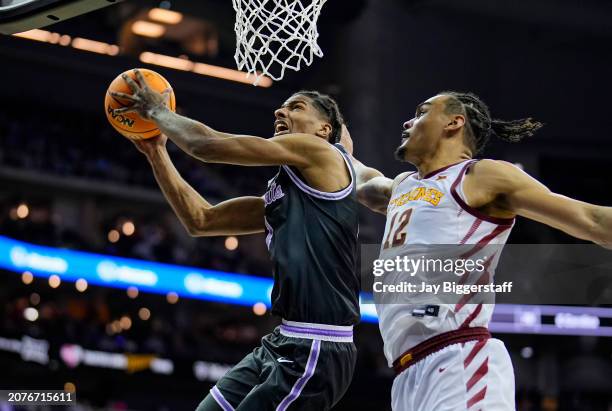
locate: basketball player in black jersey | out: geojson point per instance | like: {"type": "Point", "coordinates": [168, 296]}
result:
{"type": "Point", "coordinates": [310, 215]}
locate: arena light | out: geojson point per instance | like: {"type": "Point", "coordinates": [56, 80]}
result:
{"type": "Point", "coordinates": [81, 285]}
{"type": "Point", "coordinates": [125, 322]}
{"type": "Point", "coordinates": [231, 243]}
{"type": "Point", "coordinates": [78, 43]}
{"type": "Point", "coordinates": [172, 297]}
{"type": "Point", "coordinates": [132, 292]}
{"type": "Point", "coordinates": [27, 277]}
{"type": "Point", "coordinates": [229, 74]}
{"type": "Point", "coordinates": [128, 228]}
{"type": "Point", "coordinates": [259, 308]}
{"type": "Point", "coordinates": [113, 236]}
{"type": "Point", "coordinates": [166, 61]}
{"type": "Point", "coordinates": [30, 314]}
{"type": "Point", "coordinates": [65, 40]}
{"type": "Point", "coordinates": [148, 29]}
{"type": "Point", "coordinates": [36, 35]}
{"type": "Point", "coordinates": [69, 387]}
{"type": "Point", "coordinates": [147, 57]}
{"type": "Point", "coordinates": [165, 16]}
{"type": "Point", "coordinates": [95, 46]}
{"type": "Point", "coordinates": [54, 281]}
{"type": "Point", "coordinates": [23, 211]}
{"type": "Point", "coordinates": [200, 68]}
{"type": "Point", "coordinates": [144, 313]}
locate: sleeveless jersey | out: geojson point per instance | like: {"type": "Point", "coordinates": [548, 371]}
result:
{"type": "Point", "coordinates": [312, 239]}
{"type": "Point", "coordinates": [429, 211]}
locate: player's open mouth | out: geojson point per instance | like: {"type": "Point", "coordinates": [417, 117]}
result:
{"type": "Point", "coordinates": [280, 127]}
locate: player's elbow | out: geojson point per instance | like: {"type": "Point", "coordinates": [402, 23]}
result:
{"type": "Point", "coordinates": [198, 225]}
{"type": "Point", "coordinates": [371, 198]}
{"type": "Point", "coordinates": [599, 226]}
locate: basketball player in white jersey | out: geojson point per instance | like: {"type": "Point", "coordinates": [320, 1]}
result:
{"type": "Point", "coordinates": [445, 359]}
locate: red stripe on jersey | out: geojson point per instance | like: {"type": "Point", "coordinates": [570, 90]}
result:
{"type": "Point", "coordinates": [475, 350]}
{"type": "Point", "coordinates": [471, 231]}
{"type": "Point", "coordinates": [486, 240]}
{"type": "Point", "coordinates": [471, 317]}
{"type": "Point", "coordinates": [478, 374]}
{"type": "Point", "coordinates": [473, 211]}
{"type": "Point", "coordinates": [484, 279]}
{"type": "Point", "coordinates": [479, 396]}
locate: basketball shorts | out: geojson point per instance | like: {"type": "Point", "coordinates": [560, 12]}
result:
{"type": "Point", "coordinates": [476, 375]}
{"type": "Point", "coordinates": [299, 366]}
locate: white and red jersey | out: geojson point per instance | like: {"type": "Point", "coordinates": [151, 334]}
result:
{"type": "Point", "coordinates": [429, 211]}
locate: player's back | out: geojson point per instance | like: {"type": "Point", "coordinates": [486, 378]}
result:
{"type": "Point", "coordinates": [430, 215]}
{"type": "Point", "coordinates": [312, 238]}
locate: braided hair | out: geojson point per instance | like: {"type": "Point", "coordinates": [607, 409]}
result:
{"type": "Point", "coordinates": [479, 124]}
{"type": "Point", "coordinates": [328, 107]}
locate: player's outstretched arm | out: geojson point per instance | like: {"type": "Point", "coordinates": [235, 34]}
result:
{"type": "Point", "coordinates": [515, 192]}
{"type": "Point", "coordinates": [373, 188]}
{"type": "Point", "coordinates": [243, 215]}
{"type": "Point", "coordinates": [209, 145]}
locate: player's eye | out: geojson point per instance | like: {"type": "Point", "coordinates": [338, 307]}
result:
{"type": "Point", "coordinates": [420, 112]}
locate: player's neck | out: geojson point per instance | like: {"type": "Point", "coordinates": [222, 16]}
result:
{"type": "Point", "coordinates": [429, 165]}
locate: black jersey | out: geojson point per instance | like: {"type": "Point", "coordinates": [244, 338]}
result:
{"type": "Point", "coordinates": [312, 238]}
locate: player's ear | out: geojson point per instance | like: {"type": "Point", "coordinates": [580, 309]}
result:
{"type": "Point", "coordinates": [456, 121]}
{"type": "Point", "coordinates": [325, 131]}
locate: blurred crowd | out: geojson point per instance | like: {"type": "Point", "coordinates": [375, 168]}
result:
{"type": "Point", "coordinates": [80, 145]}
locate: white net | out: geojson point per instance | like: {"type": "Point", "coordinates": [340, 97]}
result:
{"type": "Point", "coordinates": [275, 35]}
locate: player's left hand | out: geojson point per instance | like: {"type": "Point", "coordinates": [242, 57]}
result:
{"type": "Point", "coordinates": [145, 100]}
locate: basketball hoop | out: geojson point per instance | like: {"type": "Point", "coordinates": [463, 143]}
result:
{"type": "Point", "coordinates": [275, 35]}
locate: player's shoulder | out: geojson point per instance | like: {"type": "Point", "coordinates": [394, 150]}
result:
{"type": "Point", "coordinates": [491, 167]}
{"type": "Point", "coordinates": [494, 175]}
{"type": "Point", "coordinates": [400, 178]}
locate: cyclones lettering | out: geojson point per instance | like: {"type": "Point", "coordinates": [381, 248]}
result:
{"type": "Point", "coordinates": [431, 195]}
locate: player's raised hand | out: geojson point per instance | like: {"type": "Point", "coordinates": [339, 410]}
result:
{"type": "Point", "coordinates": [145, 100]}
{"type": "Point", "coordinates": [151, 146]}
{"type": "Point", "coordinates": [346, 140]}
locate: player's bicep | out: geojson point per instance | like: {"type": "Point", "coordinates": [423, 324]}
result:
{"type": "Point", "coordinates": [238, 216]}
{"type": "Point", "coordinates": [558, 211]}
{"type": "Point", "coordinates": [253, 151]}
{"type": "Point", "coordinates": [529, 198]}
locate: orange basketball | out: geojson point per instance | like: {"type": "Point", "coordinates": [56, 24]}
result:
{"type": "Point", "coordinates": [131, 125]}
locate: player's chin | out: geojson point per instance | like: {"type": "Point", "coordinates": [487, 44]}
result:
{"type": "Point", "coordinates": [400, 153]}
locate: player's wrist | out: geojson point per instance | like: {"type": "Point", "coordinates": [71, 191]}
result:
{"type": "Point", "coordinates": [159, 112]}
{"type": "Point", "coordinates": [155, 153]}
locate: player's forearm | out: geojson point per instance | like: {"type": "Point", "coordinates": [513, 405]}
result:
{"type": "Point", "coordinates": [191, 136]}
{"type": "Point", "coordinates": [188, 205]}
{"type": "Point", "coordinates": [373, 188]}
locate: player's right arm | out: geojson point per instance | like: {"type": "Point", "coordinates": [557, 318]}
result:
{"type": "Point", "coordinates": [243, 215]}
{"type": "Point", "coordinates": [373, 188]}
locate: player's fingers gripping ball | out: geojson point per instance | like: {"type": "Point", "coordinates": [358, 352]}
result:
{"type": "Point", "coordinates": [122, 103]}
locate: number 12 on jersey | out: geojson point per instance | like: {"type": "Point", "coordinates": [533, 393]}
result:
{"type": "Point", "coordinates": [397, 229]}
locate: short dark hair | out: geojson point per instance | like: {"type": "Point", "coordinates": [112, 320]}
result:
{"type": "Point", "coordinates": [479, 124]}
{"type": "Point", "coordinates": [328, 107]}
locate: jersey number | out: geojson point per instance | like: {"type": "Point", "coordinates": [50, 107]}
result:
{"type": "Point", "coordinates": [397, 235]}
